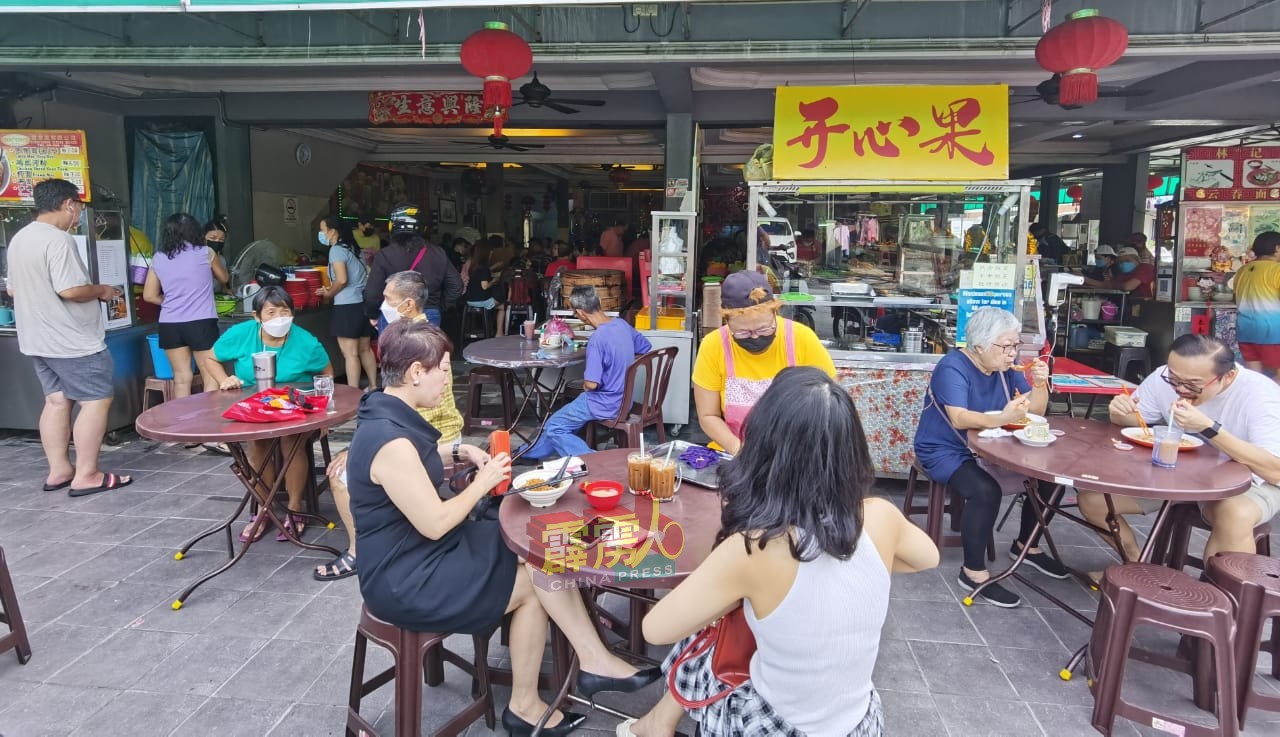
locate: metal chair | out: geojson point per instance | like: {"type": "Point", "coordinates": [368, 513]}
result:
{"type": "Point", "coordinates": [633, 418]}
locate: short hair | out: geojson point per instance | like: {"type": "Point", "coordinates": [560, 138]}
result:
{"type": "Point", "coordinates": [585, 299]}
{"type": "Point", "coordinates": [1266, 243]}
{"type": "Point", "coordinates": [1193, 345]}
{"type": "Point", "coordinates": [410, 285]}
{"type": "Point", "coordinates": [408, 240]}
{"type": "Point", "coordinates": [563, 250]}
{"type": "Point", "coordinates": [1035, 228]}
{"type": "Point", "coordinates": [272, 295]}
{"type": "Point", "coordinates": [988, 323]}
{"type": "Point", "coordinates": [51, 194]}
{"type": "Point", "coordinates": [179, 232]}
{"type": "Point", "coordinates": [365, 218]}
{"type": "Point", "coordinates": [406, 342]}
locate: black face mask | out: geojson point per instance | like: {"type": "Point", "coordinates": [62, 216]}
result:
{"type": "Point", "coordinates": [217, 246]}
{"type": "Point", "coordinates": [367, 231]}
{"type": "Point", "coordinates": [759, 344]}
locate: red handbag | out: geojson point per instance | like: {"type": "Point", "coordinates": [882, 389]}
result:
{"type": "Point", "coordinates": [255, 409]}
{"type": "Point", "coordinates": [733, 644]}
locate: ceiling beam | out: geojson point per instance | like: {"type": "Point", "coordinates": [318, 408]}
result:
{"type": "Point", "coordinates": [1198, 78]}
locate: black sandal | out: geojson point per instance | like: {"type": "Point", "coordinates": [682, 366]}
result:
{"type": "Point", "coordinates": [341, 567]}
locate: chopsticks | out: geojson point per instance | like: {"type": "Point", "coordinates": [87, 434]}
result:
{"type": "Point", "coordinates": [1141, 422]}
{"type": "Point", "coordinates": [549, 482]}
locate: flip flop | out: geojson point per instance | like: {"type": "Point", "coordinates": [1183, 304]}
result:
{"type": "Point", "coordinates": [295, 524]}
{"type": "Point", "coordinates": [56, 487]}
{"type": "Point", "coordinates": [109, 481]}
{"type": "Point", "coordinates": [344, 564]}
{"type": "Point", "coordinates": [256, 528]}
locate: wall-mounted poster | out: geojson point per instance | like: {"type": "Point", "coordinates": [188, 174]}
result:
{"type": "Point", "coordinates": [28, 157]}
{"type": "Point", "coordinates": [1231, 173]}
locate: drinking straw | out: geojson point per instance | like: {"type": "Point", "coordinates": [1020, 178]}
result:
{"type": "Point", "coordinates": [669, 450]}
{"type": "Point", "coordinates": [642, 444]}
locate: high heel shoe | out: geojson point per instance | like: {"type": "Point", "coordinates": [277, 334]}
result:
{"type": "Point", "coordinates": [517, 727]}
{"type": "Point", "coordinates": [590, 684]}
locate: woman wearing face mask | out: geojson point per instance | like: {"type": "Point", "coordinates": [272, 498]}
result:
{"type": "Point", "coordinates": [1133, 276]}
{"type": "Point", "coordinates": [299, 357]}
{"type": "Point", "coordinates": [1103, 269]}
{"type": "Point", "coordinates": [347, 277]}
{"type": "Point", "coordinates": [736, 364]}
{"type": "Point", "coordinates": [215, 238]}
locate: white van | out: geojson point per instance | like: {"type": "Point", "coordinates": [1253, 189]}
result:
{"type": "Point", "coordinates": [782, 237]}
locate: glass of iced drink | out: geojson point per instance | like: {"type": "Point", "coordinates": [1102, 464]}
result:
{"type": "Point", "coordinates": [663, 483]}
{"type": "Point", "coordinates": [638, 473]}
{"type": "Point", "coordinates": [1164, 452]}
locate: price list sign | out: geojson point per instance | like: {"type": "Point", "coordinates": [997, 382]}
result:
{"type": "Point", "coordinates": [28, 157]}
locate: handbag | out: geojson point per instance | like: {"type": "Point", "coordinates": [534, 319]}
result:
{"type": "Point", "coordinates": [1010, 482]}
{"type": "Point", "coordinates": [731, 643]}
{"type": "Point", "coordinates": [259, 408]}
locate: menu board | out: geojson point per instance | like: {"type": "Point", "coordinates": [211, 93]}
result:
{"type": "Point", "coordinates": [28, 157]}
{"type": "Point", "coordinates": [1231, 174]}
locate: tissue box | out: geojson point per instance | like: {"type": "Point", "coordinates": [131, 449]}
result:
{"type": "Point", "coordinates": [575, 464]}
{"type": "Point", "coordinates": [1121, 335]}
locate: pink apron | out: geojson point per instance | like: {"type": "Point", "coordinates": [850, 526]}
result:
{"type": "Point", "coordinates": [740, 395]}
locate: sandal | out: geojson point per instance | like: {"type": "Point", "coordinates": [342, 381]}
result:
{"type": "Point", "coordinates": [256, 528]}
{"type": "Point", "coordinates": [294, 524]}
{"type": "Point", "coordinates": [109, 481]}
{"type": "Point", "coordinates": [341, 567]}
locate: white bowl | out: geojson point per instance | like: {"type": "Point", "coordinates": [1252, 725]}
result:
{"type": "Point", "coordinates": [544, 496]}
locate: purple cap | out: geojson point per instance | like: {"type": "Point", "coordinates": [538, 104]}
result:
{"type": "Point", "coordinates": [735, 292]}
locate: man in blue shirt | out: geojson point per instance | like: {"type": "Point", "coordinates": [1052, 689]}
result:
{"type": "Point", "coordinates": [610, 351]}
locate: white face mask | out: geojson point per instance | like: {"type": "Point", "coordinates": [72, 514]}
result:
{"type": "Point", "coordinates": [389, 313]}
{"type": "Point", "coordinates": [278, 327]}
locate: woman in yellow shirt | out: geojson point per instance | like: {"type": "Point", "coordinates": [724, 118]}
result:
{"type": "Point", "coordinates": [738, 362]}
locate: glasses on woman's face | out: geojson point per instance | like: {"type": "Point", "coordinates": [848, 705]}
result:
{"type": "Point", "coordinates": [1008, 349]}
{"type": "Point", "coordinates": [1193, 388]}
{"type": "Point", "coordinates": [762, 332]}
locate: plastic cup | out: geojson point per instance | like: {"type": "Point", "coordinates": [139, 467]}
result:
{"type": "Point", "coordinates": [527, 328]}
{"type": "Point", "coordinates": [663, 483]}
{"type": "Point", "coordinates": [1164, 451]}
{"type": "Point", "coordinates": [638, 473]}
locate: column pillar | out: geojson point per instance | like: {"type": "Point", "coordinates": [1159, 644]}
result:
{"type": "Point", "coordinates": [1048, 216]}
{"type": "Point", "coordinates": [678, 155]}
{"type": "Point", "coordinates": [1124, 198]}
{"type": "Point", "coordinates": [234, 182]}
{"type": "Point", "coordinates": [495, 217]}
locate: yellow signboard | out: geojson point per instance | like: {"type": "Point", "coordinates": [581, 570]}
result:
{"type": "Point", "coordinates": [28, 157]}
{"type": "Point", "coordinates": [905, 132]}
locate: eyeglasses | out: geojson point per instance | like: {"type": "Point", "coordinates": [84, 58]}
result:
{"type": "Point", "coordinates": [757, 333]}
{"type": "Point", "coordinates": [1188, 386]}
{"type": "Point", "coordinates": [1008, 348]}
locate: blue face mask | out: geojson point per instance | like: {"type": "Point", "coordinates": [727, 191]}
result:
{"type": "Point", "coordinates": [320, 236]}
{"type": "Point", "coordinates": [1101, 263]}
{"type": "Point", "coordinates": [1127, 267]}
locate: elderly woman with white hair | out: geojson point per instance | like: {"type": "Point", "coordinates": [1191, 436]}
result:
{"type": "Point", "coordinates": [975, 388]}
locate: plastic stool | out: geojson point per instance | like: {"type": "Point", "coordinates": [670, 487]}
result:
{"type": "Point", "coordinates": [418, 657]}
{"type": "Point", "coordinates": [1145, 593]}
{"type": "Point", "coordinates": [9, 615]}
{"type": "Point", "coordinates": [1172, 549]}
{"type": "Point", "coordinates": [163, 387]}
{"type": "Point", "coordinates": [942, 500]}
{"type": "Point", "coordinates": [1126, 356]}
{"type": "Point", "coordinates": [471, 317]}
{"type": "Point", "coordinates": [1253, 583]}
{"type": "Point", "coordinates": [477, 380]}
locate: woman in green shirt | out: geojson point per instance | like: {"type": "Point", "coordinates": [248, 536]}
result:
{"type": "Point", "coordinates": [299, 357]}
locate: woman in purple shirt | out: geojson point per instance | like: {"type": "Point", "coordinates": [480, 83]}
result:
{"type": "Point", "coordinates": [179, 283]}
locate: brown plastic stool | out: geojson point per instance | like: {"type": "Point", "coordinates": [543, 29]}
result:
{"type": "Point", "coordinates": [1253, 583]}
{"type": "Point", "coordinates": [942, 500]}
{"type": "Point", "coordinates": [418, 657]}
{"type": "Point", "coordinates": [1187, 517]}
{"type": "Point", "coordinates": [477, 380]}
{"type": "Point", "coordinates": [1126, 356]}
{"type": "Point", "coordinates": [9, 614]}
{"type": "Point", "coordinates": [475, 324]}
{"type": "Point", "coordinates": [1135, 593]}
{"type": "Point", "coordinates": [163, 387]}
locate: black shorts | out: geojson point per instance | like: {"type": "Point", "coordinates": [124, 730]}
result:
{"type": "Point", "coordinates": [349, 321]}
{"type": "Point", "coordinates": [198, 335]}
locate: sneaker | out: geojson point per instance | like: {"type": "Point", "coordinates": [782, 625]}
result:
{"type": "Point", "coordinates": [1042, 561]}
{"type": "Point", "coordinates": [994, 593]}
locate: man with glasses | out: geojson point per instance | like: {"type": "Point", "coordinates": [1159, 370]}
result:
{"type": "Point", "coordinates": [60, 328]}
{"type": "Point", "coordinates": [1235, 410]}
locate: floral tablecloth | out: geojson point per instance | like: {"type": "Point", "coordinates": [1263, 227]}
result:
{"type": "Point", "coordinates": [889, 398]}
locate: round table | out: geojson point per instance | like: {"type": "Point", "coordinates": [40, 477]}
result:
{"type": "Point", "coordinates": [198, 419]}
{"type": "Point", "coordinates": [515, 352]}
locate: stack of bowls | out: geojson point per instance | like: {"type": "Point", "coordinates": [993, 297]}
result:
{"type": "Point", "coordinates": [297, 289]}
{"type": "Point", "coordinates": [312, 278]}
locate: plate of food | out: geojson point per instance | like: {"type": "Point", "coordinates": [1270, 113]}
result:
{"type": "Point", "coordinates": [1018, 424]}
{"type": "Point", "coordinates": [1138, 436]}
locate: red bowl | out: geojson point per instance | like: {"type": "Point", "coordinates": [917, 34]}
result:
{"type": "Point", "coordinates": [603, 495]}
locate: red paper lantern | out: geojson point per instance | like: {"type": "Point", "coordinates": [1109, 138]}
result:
{"type": "Point", "coordinates": [498, 56]}
{"type": "Point", "coordinates": [1154, 182]}
{"type": "Point", "coordinates": [1077, 48]}
{"type": "Point", "coordinates": [1075, 192]}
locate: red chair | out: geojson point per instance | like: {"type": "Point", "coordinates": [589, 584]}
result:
{"type": "Point", "coordinates": [616, 263]}
{"type": "Point", "coordinates": [634, 418]}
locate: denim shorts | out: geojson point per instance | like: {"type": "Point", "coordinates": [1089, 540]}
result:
{"type": "Point", "coordinates": [488, 304]}
{"type": "Point", "coordinates": [82, 379]}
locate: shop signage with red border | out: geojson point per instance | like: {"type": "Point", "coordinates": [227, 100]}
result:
{"type": "Point", "coordinates": [426, 108]}
{"type": "Point", "coordinates": [1231, 174]}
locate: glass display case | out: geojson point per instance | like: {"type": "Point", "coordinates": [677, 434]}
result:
{"type": "Point", "coordinates": [668, 296]}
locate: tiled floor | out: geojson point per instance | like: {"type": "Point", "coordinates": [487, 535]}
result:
{"type": "Point", "coordinates": [266, 650]}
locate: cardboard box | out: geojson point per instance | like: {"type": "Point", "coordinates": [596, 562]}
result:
{"type": "Point", "coordinates": [1121, 335]}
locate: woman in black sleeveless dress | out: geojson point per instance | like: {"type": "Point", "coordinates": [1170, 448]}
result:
{"type": "Point", "coordinates": [425, 566]}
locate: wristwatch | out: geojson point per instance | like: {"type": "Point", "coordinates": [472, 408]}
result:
{"type": "Point", "coordinates": [457, 445]}
{"type": "Point", "coordinates": [1211, 432]}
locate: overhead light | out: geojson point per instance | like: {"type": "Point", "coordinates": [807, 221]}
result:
{"type": "Point", "coordinates": [1077, 135]}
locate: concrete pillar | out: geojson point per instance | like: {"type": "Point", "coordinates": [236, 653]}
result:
{"type": "Point", "coordinates": [678, 155]}
{"type": "Point", "coordinates": [1048, 216]}
{"type": "Point", "coordinates": [1124, 198]}
{"type": "Point", "coordinates": [494, 214]}
{"type": "Point", "coordinates": [233, 165]}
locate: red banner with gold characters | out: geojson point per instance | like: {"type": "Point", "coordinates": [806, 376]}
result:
{"type": "Point", "coordinates": [903, 132]}
{"type": "Point", "coordinates": [1231, 174]}
{"type": "Point", "coordinates": [426, 108]}
{"type": "Point", "coordinates": [28, 157]}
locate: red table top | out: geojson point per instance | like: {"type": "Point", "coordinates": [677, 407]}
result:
{"type": "Point", "coordinates": [1085, 458]}
{"type": "Point", "coordinates": [1075, 368]}
{"type": "Point", "coordinates": [683, 536]}
{"type": "Point", "coordinates": [198, 418]}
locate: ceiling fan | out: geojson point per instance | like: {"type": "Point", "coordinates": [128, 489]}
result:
{"type": "Point", "coordinates": [535, 94]}
{"type": "Point", "coordinates": [501, 142]}
{"type": "Point", "coordinates": [1048, 91]}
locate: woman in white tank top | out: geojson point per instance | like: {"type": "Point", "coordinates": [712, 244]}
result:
{"type": "Point", "coordinates": [808, 555]}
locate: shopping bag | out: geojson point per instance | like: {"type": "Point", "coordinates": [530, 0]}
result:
{"type": "Point", "coordinates": [275, 405]}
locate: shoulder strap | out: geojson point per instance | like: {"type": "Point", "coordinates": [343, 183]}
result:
{"type": "Point", "coordinates": [413, 266]}
{"type": "Point", "coordinates": [728, 351]}
{"type": "Point", "coordinates": [789, 333]}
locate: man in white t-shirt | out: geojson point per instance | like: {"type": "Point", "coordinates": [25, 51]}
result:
{"type": "Point", "coordinates": [60, 328]}
{"type": "Point", "coordinates": [1234, 410]}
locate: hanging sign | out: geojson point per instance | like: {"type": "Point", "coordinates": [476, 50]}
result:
{"type": "Point", "coordinates": [969, 300]}
{"type": "Point", "coordinates": [426, 108]}
{"type": "Point", "coordinates": [28, 157]}
{"type": "Point", "coordinates": [1231, 173]}
{"type": "Point", "coordinates": [907, 132]}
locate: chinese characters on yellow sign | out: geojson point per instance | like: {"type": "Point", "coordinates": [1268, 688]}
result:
{"type": "Point", "coordinates": [912, 132]}
{"type": "Point", "coordinates": [28, 157]}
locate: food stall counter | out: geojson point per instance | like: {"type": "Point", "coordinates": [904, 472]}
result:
{"type": "Point", "coordinates": [888, 389]}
